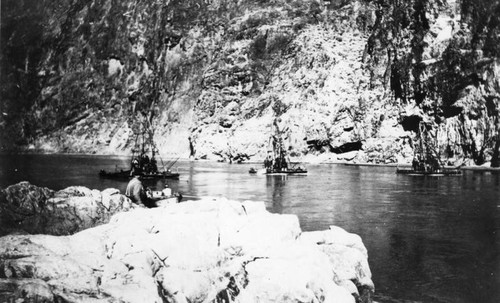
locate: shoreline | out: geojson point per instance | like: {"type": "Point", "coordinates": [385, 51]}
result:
{"type": "Point", "coordinates": [477, 168]}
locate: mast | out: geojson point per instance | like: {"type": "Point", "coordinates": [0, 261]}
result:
{"type": "Point", "coordinates": [278, 150]}
{"type": "Point", "coordinates": [428, 149]}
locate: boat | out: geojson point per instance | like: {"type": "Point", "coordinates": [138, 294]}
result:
{"type": "Point", "coordinates": [426, 160]}
{"type": "Point", "coordinates": [268, 171]}
{"type": "Point", "coordinates": [433, 173]}
{"type": "Point", "coordinates": [163, 197]}
{"type": "Point", "coordinates": [276, 162]}
{"type": "Point", "coordinates": [144, 162]}
{"type": "Point", "coordinates": [126, 175]}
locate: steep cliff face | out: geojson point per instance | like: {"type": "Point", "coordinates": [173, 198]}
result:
{"type": "Point", "coordinates": [441, 64]}
{"type": "Point", "coordinates": [211, 77]}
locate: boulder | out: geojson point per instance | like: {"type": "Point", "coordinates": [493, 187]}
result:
{"type": "Point", "coordinates": [187, 252]}
{"type": "Point", "coordinates": [349, 258]}
{"type": "Point", "coordinates": [27, 208]}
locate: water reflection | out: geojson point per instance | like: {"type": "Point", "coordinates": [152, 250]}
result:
{"type": "Point", "coordinates": [429, 239]}
{"type": "Point", "coordinates": [276, 184]}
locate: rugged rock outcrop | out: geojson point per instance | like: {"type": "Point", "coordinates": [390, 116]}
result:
{"type": "Point", "coordinates": [186, 252]}
{"type": "Point", "coordinates": [440, 60]}
{"type": "Point", "coordinates": [212, 76]}
{"type": "Point", "coordinates": [30, 209]}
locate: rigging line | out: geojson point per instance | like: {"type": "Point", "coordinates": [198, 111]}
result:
{"type": "Point", "coordinates": [173, 162]}
{"type": "Point", "coordinates": [135, 146]}
{"type": "Point", "coordinates": [154, 147]}
{"type": "Point", "coordinates": [159, 156]}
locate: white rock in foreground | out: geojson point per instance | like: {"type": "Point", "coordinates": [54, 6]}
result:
{"type": "Point", "coordinates": [186, 253]}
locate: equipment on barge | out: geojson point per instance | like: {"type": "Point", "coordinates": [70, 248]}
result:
{"type": "Point", "coordinates": [426, 160]}
{"type": "Point", "coordinates": [276, 162]}
{"type": "Point", "coordinates": [144, 162]}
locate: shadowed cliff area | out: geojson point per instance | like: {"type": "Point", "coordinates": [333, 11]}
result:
{"type": "Point", "coordinates": [211, 77]}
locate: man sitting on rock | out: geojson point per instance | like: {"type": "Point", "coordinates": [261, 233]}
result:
{"type": "Point", "coordinates": [136, 192]}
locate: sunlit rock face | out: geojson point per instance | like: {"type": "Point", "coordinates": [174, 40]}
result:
{"type": "Point", "coordinates": [187, 252]}
{"type": "Point", "coordinates": [27, 208]}
{"type": "Point", "coordinates": [211, 77]}
{"type": "Point", "coordinates": [441, 63]}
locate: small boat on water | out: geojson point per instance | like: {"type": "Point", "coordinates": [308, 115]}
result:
{"type": "Point", "coordinates": [164, 197]}
{"type": "Point", "coordinates": [276, 162]}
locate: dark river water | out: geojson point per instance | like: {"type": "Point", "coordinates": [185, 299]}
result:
{"type": "Point", "coordinates": [429, 239]}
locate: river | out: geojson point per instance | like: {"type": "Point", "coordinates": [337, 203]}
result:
{"type": "Point", "coordinates": [429, 239]}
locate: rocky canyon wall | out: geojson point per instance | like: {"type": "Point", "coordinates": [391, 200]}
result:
{"type": "Point", "coordinates": [211, 77]}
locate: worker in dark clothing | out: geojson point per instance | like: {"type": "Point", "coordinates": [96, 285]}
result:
{"type": "Point", "coordinates": [136, 169]}
{"type": "Point", "coordinates": [415, 163]}
{"type": "Point", "coordinates": [153, 166]}
{"type": "Point", "coordinates": [144, 162]}
{"type": "Point", "coordinates": [268, 162]}
{"type": "Point", "coordinates": [136, 192]}
{"type": "Point", "coordinates": [228, 294]}
{"type": "Point", "coordinates": [435, 166]}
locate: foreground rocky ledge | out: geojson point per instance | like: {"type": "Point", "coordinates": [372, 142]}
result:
{"type": "Point", "coordinates": [28, 208]}
{"type": "Point", "coordinates": [187, 252]}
